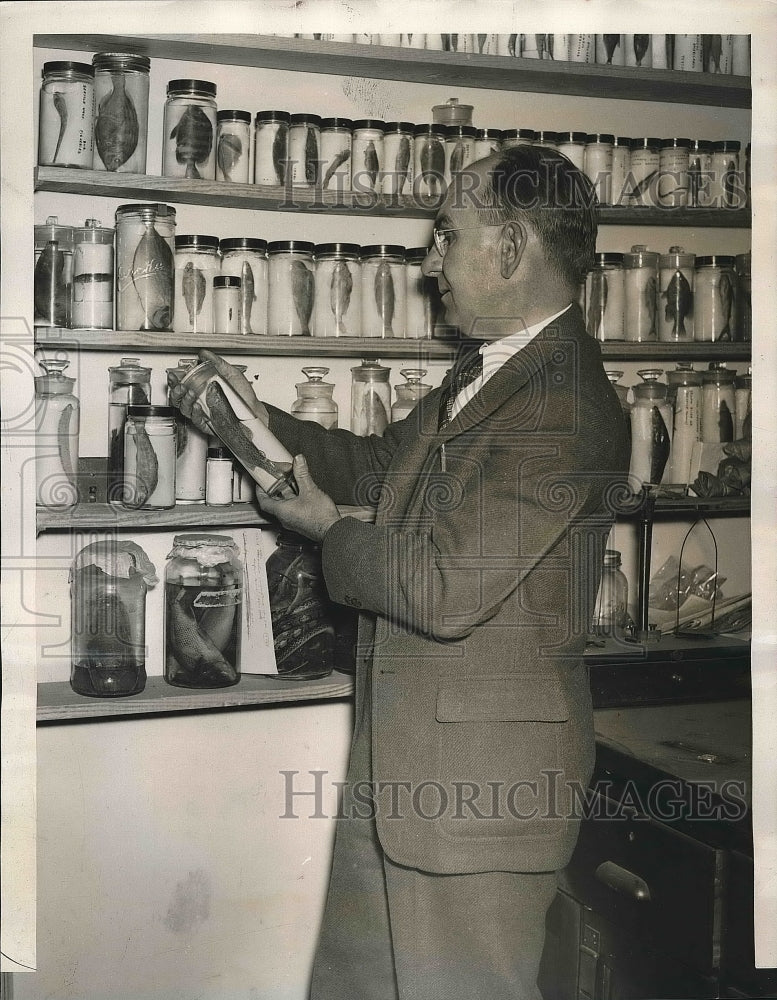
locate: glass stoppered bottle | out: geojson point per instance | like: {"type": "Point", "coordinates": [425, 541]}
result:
{"type": "Point", "coordinates": [409, 393]}
{"type": "Point", "coordinates": [370, 398]}
{"type": "Point", "coordinates": [53, 277]}
{"type": "Point", "coordinates": [93, 277]}
{"type": "Point", "coordinates": [314, 399]}
{"type": "Point", "coordinates": [129, 384]}
{"type": "Point", "coordinates": [56, 436]}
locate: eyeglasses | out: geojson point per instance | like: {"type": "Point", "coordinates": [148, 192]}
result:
{"type": "Point", "coordinates": [440, 236]}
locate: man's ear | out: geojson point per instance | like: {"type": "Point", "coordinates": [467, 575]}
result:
{"type": "Point", "coordinates": [511, 248]}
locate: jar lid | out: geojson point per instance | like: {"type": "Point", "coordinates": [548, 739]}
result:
{"type": "Point", "coordinates": [605, 137]}
{"type": "Point", "coordinates": [430, 129]}
{"type": "Point", "coordinates": [719, 375]}
{"type": "Point", "coordinates": [608, 258]}
{"type": "Point", "coordinates": [220, 452]}
{"type": "Point", "coordinates": [488, 133]}
{"type": "Point", "coordinates": [369, 371]}
{"type": "Point", "coordinates": [547, 135]}
{"type": "Point", "coordinates": [51, 231]}
{"type": "Point", "coordinates": [680, 377]}
{"type": "Point", "coordinates": [715, 260]}
{"type": "Point", "coordinates": [744, 262]}
{"type": "Point", "coordinates": [677, 257]}
{"type": "Point", "coordinates": [744, 380]}
{"type": "Point", "coordinates": [233, 116]}
{"type": "Point", "coordinates": [272, 116]}
{"type": "Point", "coordinates": [243, 243]}
{"type": "Point", "coordinates": [304, 118]}
{"type": "Point", "coordinates": [612, 557]}
{"type": "Point", "coordinates": [622, 140]}
{"type": "Point", "coordinates": [576, 137]}
{"type": "Point", "coordinates": [159, 210]}
{"type": "Point", "coordinates": [640, 256]}
{"type": "Point", "coordinates": [130, 371]}
{"type": "Point", "coordinates": [135, 410]}
{"type": "Point", "coordinates": [290, 246]}
{"type": "Point", "coordinates": [332, 123]}
{"type": "Point", "coordinates": [382, 250]}
{"type": "Point", "coordinates": [184, 364]}
{"type": "Point", "coordinates": [54, 382]}
{"type": "Point", "coordinates": [121, 61]}
{"type": "Point", "coordinates": [646, 143]}
{"type": "Point", "coordinates": [226, 281]}
{"type": "Point", "coordinates": [519, 133]}
{"type": "Point", "coordinates": [701, 146]}
{"type": "Point", "coordinates": [196, 242]}
{"type": "Point", "coordinates": [613, 376]}
{"type": "Point", "coordinates": [65, 66]}
{"type": "Point", "coordinates": [726, 146]}
{"type": "Point", "coordinates": [191, 86]}
{"type": "Point", "coordinates": [650, 390]}
{"type": "Point", "coordinates": [414, 376]}
{"type": "Point", "coordinates": [414, 255]}
{"type": "Point", "coordinates": [376, 123]}
{"type": "Point", "coordinates": [315, 376]}
{"type": "Point", "coordinates": [91, 231]}
{"type": "Point", "coordinates": [676, 143]}
{"type": "Point", "coordinates": [399, 127]}
{"type": "Point", "coordinates": [337, 249]}
{"type": "Point", "coordinates": [452, 112]}
{"type": "Point", "coordinates": [451, 131]}
{"type": "Point", "coordinates": [197, 540]}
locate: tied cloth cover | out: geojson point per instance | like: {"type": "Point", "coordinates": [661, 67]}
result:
{"type": "Point", "coordinates": [467, 367]}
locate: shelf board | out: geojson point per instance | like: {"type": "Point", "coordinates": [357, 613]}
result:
{"type": "Point", "coordinates": [684, 505]}
{"type": "Point", "coordinates": [615, 350]}
{"type": "Point", "coordinates": [258, 197]}
{"type": "Point", "coordinates": [504, 73]}
{"type": "Point", "coordinates": [57, 702]}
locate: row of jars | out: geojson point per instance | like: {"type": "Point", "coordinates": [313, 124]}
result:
{"type": "Point", "coordinates": [673, 297]}
{"type": "Point", "coordinates": [691, 53]}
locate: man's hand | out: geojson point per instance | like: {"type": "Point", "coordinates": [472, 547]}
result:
{"type": "Point", "coordinates": [310, 514]}
{"type": "Point", "coordinates": [186, 400]}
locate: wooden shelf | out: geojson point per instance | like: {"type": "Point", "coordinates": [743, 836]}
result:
{"type": "Point", "coordinates": [664, 506]}
{"type": "Point", "coordinates": [614, 350]}
{"type": "Point", "coordinates": [504, 73]}
{"type": "Point", "coordinates": [57, 702]}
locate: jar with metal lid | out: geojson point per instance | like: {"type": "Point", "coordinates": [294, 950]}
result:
{"type": "Point", "coordinates": [108, 584]}
{"type": "Point", "coordinates": [145, 267]}
{"type": "Point", "coordinates": [409, 393]}
{"type": "Point", "coordinates": [300, 610]}
{"type": "Point", "coordinates": [651, 430]}
{"type": "Point", "coordinates": [611, 611]}
{"type": "Point", "coordinates": [740, 55]}
{"type": "Point", "coordinates": [227, 300]}
{"type": "Point", "coordinates": [621, 167]}
{"type": "Point", "coordinates": [384, 291]}
{"type": "Point", "coordinates": [337, 310]}
{"type": "Point", "coordinates": [271, 147]}
{"type": "Point", "coordinates": [398, 141]}
{"type": "Point", "coordinates": [610, 50]}
{"type": "Point", "coordinates": [605, 294]}
{"type": "Point", "coordinates": [726, 187]}
{"type": "Point", "coordinates": [662, 47]}
{"type": "Point", "coordinates": [246, 258]}
{"type": "Point", "coordinates": [517, 137]}
{"type": "Point", "coordinates": [314, 399]}
{"type": "Point", "coordinates": [699, 173]}
{"type": "Point", "coordinates": [66, 117]}
{"type": "Point", "coordinates": [453, 112]}
{"type": "Point", "coordinates": [718, 405]}
{"type": "Point", "coordinates": [367, 154]}
{"type": "Point", "coordinates": [684, 394]}
{"type": "Point", "coordinates": [673, 172]}
{"type": "Point", "coordinates": [149, 458]}
{"type": "Point", "coordinates": [429, 161]}
{"type": "Point", "coordinates": [191, 448]}
{"type": "Point", "coordinates": [121, 111]}
{"type": "Point", "coordinates": [292, 288]}
{"type": "Point", "coordinates": [572, 145]}
{"type": "Point", "coordinates": [675, 295]}
{"type": "Point", "coordinates": [644, 167]}
{"type": "Point", "coordinates": [419, 310]}
{"type": "Point", "coordinates": [203, 612]}
{"type": "Point", "coordinates": [303, 157]}
{"type": "Point", "coordinates": [487, 142]}
{"type": "Point", "coordinates": [597, 164]}
{"type": "Point", "coordinates": [638, 51]}
{"type": "Point", "coordinates": [335, 168]}
{"type": "Point", "coordinates": [581, 48]}
{"type": "Point", "coordinates": [459, 149]}
{"type": "Point", "coordinates": [714, 292]}
{"type": "Point", "coordinates": [196, 264]}
{"type": "Point", "coordinates": [688, 53]}
{"type": "Point", "coordinates": [743, 399]}
{"type": "Point", "coordinates": [57, 424]}
{"type": "Point", "coordinates": [129, 384]}
{"type": "Point", "coordinates": [219, 477]}
{"type": "Point", "coordinates": [233, 146]}
{"type": "Point", "coordinates": [744, 312]}
{"type": "Point", "coordinates": [53, 276]}
{"type": "Point", "coordinates": [641, 294]}
{"type": "Point", "coordinates": [546, 137]}
{"type": "Point", "coordinates": [92, 277]}
{"type": "Point", "coordinates": [189, 148]}
{"type": "Point", "coordinates": [370, 398]}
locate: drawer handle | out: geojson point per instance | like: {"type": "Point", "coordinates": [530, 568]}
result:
{"type": "Point", "coordinates": [623, 881]}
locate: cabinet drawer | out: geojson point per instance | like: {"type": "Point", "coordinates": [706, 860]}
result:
{"type": "Point", "coordinates": [659, 884]}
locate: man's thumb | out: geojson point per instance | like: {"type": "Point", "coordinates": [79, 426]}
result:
{"type": "Point", "coordinates": [301, 471]}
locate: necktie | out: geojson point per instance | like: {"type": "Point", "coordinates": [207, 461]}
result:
{"type": "Point", "coordinates": [468, 366]}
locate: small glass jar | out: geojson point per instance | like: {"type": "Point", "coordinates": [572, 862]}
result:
{"type": "Point", "coordinates": [149, 458]}
{"type": "Point", "coordinates": [597, 164]}
{"type": "Point", "coordinates": [688, 53]}
{"type": "Point", "coordinates": [314, 399]}
{"type": "Point", "coordinates": [203, 612]}
{"type": "Point", "coordinates": [429, 161]}
{"type": "Point", "coordinates": [581, 48]}
{"type": "Point", "coordinates": [714, 292]}
{"type": "Point", "coordinates": [645, 163]}
{"type": "Point", "coordinates": [605, 295]}
{"type": "Point", "coordinates": [129, 384]}
{"type": "Point", "coordinates": [219, 477]}
{"type": "Point", "coordinates": [196, 264]}
{"type": "Point", "coordinates": [92, 277]}
{"type": "Point", "coordinates": [145, 267]}
{"type": "Point", "coordinates": [370, 398]}
{"type": "Point", "coordinates": [638, 51]}
{"type": "Point", "coordinates": [335, 169]}
{"type": "Point", "coordinates": [246, 258]}
{"type": "Point", "coordinates": [518, 137]}
{"type": "Point", "coordinates": [675, 295]}
{"type": "Point", "coordinates": [726, 188]}
{"type": "Point", "coordinates": [398, 144]}
{"type": "Point", "coordinates": [189, 148]}
{"type": "Point", "coordinates": [718, 405]}
{"type": "Point", "coordinates": [227, 299]}
{"type": "Point", "coordinates": [121, 111]}
{"type": "Point", "coordinates": [641, 294]}
{"type": "Point", "coordinates": [572, 145]}
{"type": "Point", "coordinates": [419, 311]}
{"type": "Point", "coordinates": [621, 167]}
{"type": "Point", "coordinates": [699, 173]}
{"type": "Point", "coordinates": [459, 149]}
{"type": "Point", "coordinates": [409, 393]}
{"type": "Point", "coordinates": [740, 55]}
{"type": "Point", "coordinates": [57, 424]}
{"type": "Point", "coordinates": [271, 147]}
{"type": "Point", "coordinates": [673, 172]}
{"type": "Point", "coordinates": [651, 431]}
{"type": "Point", "coordinates": [743, 400]}
{"type": "Point", "coordinates": [66, 118]}
{"type": "Point", "coordinates": [684, 393]}
{"type": "Point", "coordinates": [488, 141]}
{"type": "Point", "coordinates": [108, 584]}
{"type": "Point", "coordinates": [384, 291]}
{"type": "Point", "coordinates": [337, 310]}
{"type": "Point", "coordinates": [662, 51]}
{"type": "Point", "coordinates": [53, 276]}
{"type": "Point", "coordinates": [191, 450]}
{"type": "Point", "coordinates": [303, 158]}
{"type": "Point", "coordinates": [292, 288]}
{"type": "Point", "coordinates": [717, 52]}
{"type": "Point", "coordinates": [744, 313]}
{"type": "Point", "coordinates": [610, 50]}
{"type": "Point", "coordinates": [611, 611]}
{"type": "Point", "coordinates": [233, 146]}
{"type": "Point", "coordinates": [367, 155]}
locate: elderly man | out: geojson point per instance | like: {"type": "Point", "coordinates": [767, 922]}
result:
{"type": "Point", "coordinates": [473, 729]}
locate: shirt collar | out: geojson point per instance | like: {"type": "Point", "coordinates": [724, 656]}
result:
{"type": "Point", "coordinates": [496, 353]}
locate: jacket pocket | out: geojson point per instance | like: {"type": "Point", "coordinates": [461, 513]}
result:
{"type": "Point", "coordinates": [506, 698]}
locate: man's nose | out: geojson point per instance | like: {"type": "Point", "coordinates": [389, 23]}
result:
{"type": "Point", "coordinates": [432, 262]}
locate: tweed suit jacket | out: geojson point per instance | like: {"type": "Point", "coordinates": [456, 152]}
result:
{"type": "Point", "coordinates": [475, 586]}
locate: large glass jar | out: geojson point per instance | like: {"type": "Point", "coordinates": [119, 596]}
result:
{"type": "Point", "coordinates": [338, 308]}
{"type": "Point", "coordinates": [609, 50]}
{"type": "Point", "coordinates": [129, 384]}
{"type": "Point", "coordinates": [744, 325]}
{"type": "Point", "coordinates": [335, 168]}
{"type": "Point", "coordinates": [145, 267]}
{"type": "Point", "coordinates": [638, 51]}
{"type": "Point", "coordinates": [191, 451]}
{"type": "Point", "coordinates": [304, 137]}
{"type": "Point", "coordinates": [675, 295]}
{"type": "Point", "coordinates": [108, 584]}
{"type": "Point", "coordinates": [688, 53]}
{"type": "Point", "coordinates": [203, 605]}
{"type": "Point", "coordinates": [314, 399]}
{"type": "Point", "coordinates": [233, 146]}
{"type": "Point", "coordinates": [487, 142]}
{"type": "Point", "coordinates": [651, 430]}
{"type": "Point", "coordinates": [459, 149]}
{"type": "Point", "coordinates": [292, 288]}
{"type": "Point", "coordinates": [370, 398]}
{"type": "Point", "coordinates": [302, 623]}
{"type": "Point", "coordinates": [409, 393]}
{"type": "Point", "coordinates": [621, 169]}
{"type": "Point", "coordinates": [384, 291]}
{"type": "Point", "coordinates": [597, 164]}
{"type": "Point", "coordinates": [93, 277]}
{"type": "Point", "coordinates": [398, 142]}
{"type": "Point", "coordinates": [699, 173]}
{"type": "Point", "coordinates": [684, 394]}
{"type": "Point", "coordinates": [429, 161]}
{"type": "Point", "coordinates": [572, 145]}
{"type": "Point", "coordinates": [581, 48]}
{"type": "Point", "coordinates": [743, 400]}
{"type": "Point", "coordinates": [662, 51]}
{"type": "Point", "coordinates": [196, 265]}
{"type": "Point", "coordinates": [367, 154]}
{"type": "Point", "coordinates": [271, 145]}
{"type": "Point", "coordinates": [121, 110]}
{"type": "Point", "coordinates": [149, 458]}
{"type": "Point", "coordinates": [641, 281]}
{"type": "Point", "coordinates": [718, 405]}
{"type": "Point", "coordinates": [419, 312]}
{"type": "Point", "coordinates": [189, 148]}
{"type": "Point", "coordinates": [611, 612]}
{"type": "Point", "coordinates": [644, 165]}
{"type": "Point", "coordinates": [246, 258]}
{"type": "Point", "coordinates": [57, 424]}
{"type": "Point", "coordinates": [605, 296]}
{"type": "Point", "coordinates": [726, 187]}
{"type": "Point", "coordinates": [66, 119]}
{"type": "Point", "coordinates": [674, 160]}
{"type": "Point", "coordinates": [53, 277]}
{"type": "Point", "coordinates": [714, 292]}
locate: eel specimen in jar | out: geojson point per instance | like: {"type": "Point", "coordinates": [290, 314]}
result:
{"type": "Point", "coordinates": [279, 154]}
{"type": "Point", "coordinates": [597, 306]}
{"type": "Point", "coordinates": [650, 295]}
{"type": "Point", "coordinates": [457, 157]}
{"type": "Point", "coordinates": [193, 139]}
{"type": "Point", "coordinates": [337, 161]}
{"type": "Point", "coordinates": [511, 43]}
{"type": "Point", "coordinates": [230, 149]}
{"type": "Point", "coordinates": [371, 162]}
{"type": "Point", "coordinates": [137, 493]}
{"type": "Point", "coordinates": [247, 296]}
{"type": "Point", "coordinates": [726, 299]}
{"type": "Point", "coordinates": [60, 105]}
{"type": "Point", "coordinates": [679, 303]}
{"type": "Point", "coordinates": [302, 292]}
{"type": "Point", "coordinates": [192, 648]}
{"type": "Point", "coordinates": [641, 44]}
{"type": "Point", "coordinates": [153, 268]}
{"type": "Point", "coordinates": [643, 186]}
{"type": "Point", "coordinates": [401, 164]}
{"type": "Point", "coordinates": [694, 181]}
{"type": "Point", "coordinates": [373, 416]}
{"type": "Point", "coordinates": [659, 451]}
{"type": "Point", "coordinates": [116, 130]}
{"type": "Point", "coordinates": [50, 293]}
{"type": "Point", "coordinates": [384, 297]}
{"type": "Point", "coordinates": [340, 295]}
{"type": "Point", "coordinates": [64, 441]}
{"type": "Point", "coordinates": [729, 184]}
{"type": "Point", "coordinates": [193, 287]}
{"type": "Point", "coordinates": [432, 163]}
{"type": "Point", "coordinates": [311, 156]}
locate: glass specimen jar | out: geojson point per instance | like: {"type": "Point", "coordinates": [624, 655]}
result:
{"type": "Point", "coordinates": [303, 156]}
{"type": "Point", "coordinates": [546, 137]}
{"type": "Point", "coordinates": [409, 393]}
{"type": "Point", "coordinates": [314, 399]}
{"type": "Point", "coordinates": [233, 146]}
{"type": "Point", "coordinates": [743, 400]}
{"type": "Point", "coordinates": [611, 612]}
{"type": "Point", "coordinates": [398, 143]}
{"type": "Point", "coordinates": [337, 310]}
{"type": "Point", "coordinates": [149, 458]}
{"type": "Point", "coordinates": [246, 258]}
{"type": "Point", "coordinates": [726, 184]}
{"type": "Point", "coordinates": [622, 393]}
{"type": "Point", "coordinates": [121, 111]}
{"type": "Point", "coordinates": [191, 450]}
{"type": "Point", "coordinates": [714, 292]}
{"type": "Point", "coordinates": [638, 51]}
{"type": "Point", "coordinates": [384, 291]}
{"type": "Point", "coordinates": [292, 288]}
{"type": "Point", "coordinates": [581, 48]}
{"type": "Point", "coordinates": [66, 116]}
{"type": "Point", "coordinates": [53, 276]}
{"type": "Point", "coordinates": [517, 137]}
{"type": "Point", "coordinates": [271, 146]}
{"type": "Point", "coordinates": [645, 163]}
{"type": "Point", "coordinates": [196, 264]}
{"type": "Point", "coordinates": [226, 304]}
{"type": "Point", "coordinates": [92, 277]}
{"type": "Point", "coordinates": [370, 398]}
{"type": "Point", "coordinates": [57, 424]}
{"type": "Point", "coordinates": [605, 295]}
{"type": "Point", "coordinates": [335, 169]}
{"type": "Point", "coordinates": [641, 280]}
{"type": "Point", "coordinates": [459, 149]}
{"type": "Point", "coordinates": [699, 173]}
{"type": "Point", "coordinates": [572, 145]}
{"type": "Point", "coordinates": [203, 605]}
{"type": "Point", "coordinates": [429, 161]}
{"type": "Point", "coordinates": [662, 51]}
{"type": "Point", "coordinates": [621, 166]}
{"type": "Point", "coordinates": [673, 172]}
{"type": "Point", "coordinates": [129, 384]}
{"type": "Point", "coordinates": [651, 430]}
{"type": "Point", "coordinates": [108, 584]}
{"type": "Point", "coordinates": [688, 53]}
{"type": "Point", "coordinates": [367, 154]}
{"type": "Point", "coordinates": [487, 142]}
{"type": "Point", "coordinates": [718, 405]}
{"type": "Point", "coordinates": [145, 267]}
{"type": "Point", "coordinates": [684, 393]}
{"type": "Point", "coordinates": [675, 295]}
{"type": "Point", "coordinates": [220, 474]}
{"type": "Point", "coordinates": [189, 148]}
{"type": "Point", "coordinates": [610, 50]}
{"type": "Point", "coordinates": [744, 326]}
{"type": "Point", "coordinates": [597, 164]}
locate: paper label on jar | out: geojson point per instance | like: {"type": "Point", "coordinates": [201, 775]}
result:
{"type": "Point", "coordinates": [218, 598]}
{"type": "Point", "coordinates": [257, 546]}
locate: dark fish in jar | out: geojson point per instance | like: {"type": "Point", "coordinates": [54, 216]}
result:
{"type": "Point", "coordinates": [193, 139]}
{"type": "Point", "coordinates": [116, 130]}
